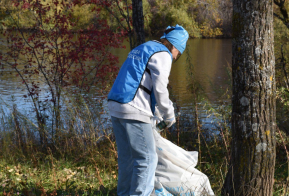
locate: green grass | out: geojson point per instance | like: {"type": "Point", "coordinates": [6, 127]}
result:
{"type": "Point", "coordinates": [75, 162]}
{"type": "Point", "coordinates": [52, 175]}
{"type": "Point", "coordinates": [55, 176]}
{"type": "Point", "coordinates": [79, 163]}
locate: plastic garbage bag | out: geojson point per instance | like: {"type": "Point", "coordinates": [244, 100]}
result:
{"type": "Point", "coordinates": [176, 173]}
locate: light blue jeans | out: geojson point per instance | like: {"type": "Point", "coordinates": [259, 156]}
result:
{"type": "Point", "coordinates": [137, 157]}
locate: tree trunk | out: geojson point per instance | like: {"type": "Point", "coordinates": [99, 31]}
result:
{"type": "Point", "coordinates": [253, 151]}
{"type": "Point", "coordinates": [138, 22]}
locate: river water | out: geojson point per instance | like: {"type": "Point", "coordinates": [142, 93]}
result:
{"type": "Point", "coordinates": [210, 58]}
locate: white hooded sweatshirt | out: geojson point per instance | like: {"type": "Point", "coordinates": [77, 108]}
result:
{"type": "Point", "coordinates": [140, 107]}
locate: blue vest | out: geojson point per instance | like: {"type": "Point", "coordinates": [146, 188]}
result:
{"type": "Point", "coordinates": [130, 75]}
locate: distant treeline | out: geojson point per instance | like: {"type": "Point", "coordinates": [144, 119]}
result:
{"type": "Point", "coordinates": [202, 18]}
{"type": "Point", "coordinates": [206, 18]}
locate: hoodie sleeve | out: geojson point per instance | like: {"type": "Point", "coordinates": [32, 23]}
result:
{"type": "Point", "coordinates": [160, 66]}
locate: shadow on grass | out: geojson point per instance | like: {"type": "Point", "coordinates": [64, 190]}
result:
{"type": "Point", "coordinates": [73, 191]}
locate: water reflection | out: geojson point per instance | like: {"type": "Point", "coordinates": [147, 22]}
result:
{"type": "Point", "coordinates": [210, 58]}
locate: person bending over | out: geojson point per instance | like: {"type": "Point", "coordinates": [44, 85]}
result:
{"type": "Point", "coordinates": [140, 85]}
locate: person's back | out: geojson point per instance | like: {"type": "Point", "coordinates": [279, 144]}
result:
{"type": "Point", "coordinates": [141, 83]}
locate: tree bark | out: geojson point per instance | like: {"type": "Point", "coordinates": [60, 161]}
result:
{"type": "Point", "coordinates": [138, 22]}
{"type": "Point", "coordinates": [253, 145]}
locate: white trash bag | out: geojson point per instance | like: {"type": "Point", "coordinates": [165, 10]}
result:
{"type": "Point", "coordinates": [176, 174]}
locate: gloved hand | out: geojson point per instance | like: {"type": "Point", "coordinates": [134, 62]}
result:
{"type": "Point", "coordinates": [170, 121]}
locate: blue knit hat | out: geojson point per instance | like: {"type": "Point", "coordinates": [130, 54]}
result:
{"type": "Point", "coordinates": [178, 37]}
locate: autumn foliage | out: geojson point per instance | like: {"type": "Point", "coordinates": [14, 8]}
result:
{"type": "Point", "coordinates": [52, 51]}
